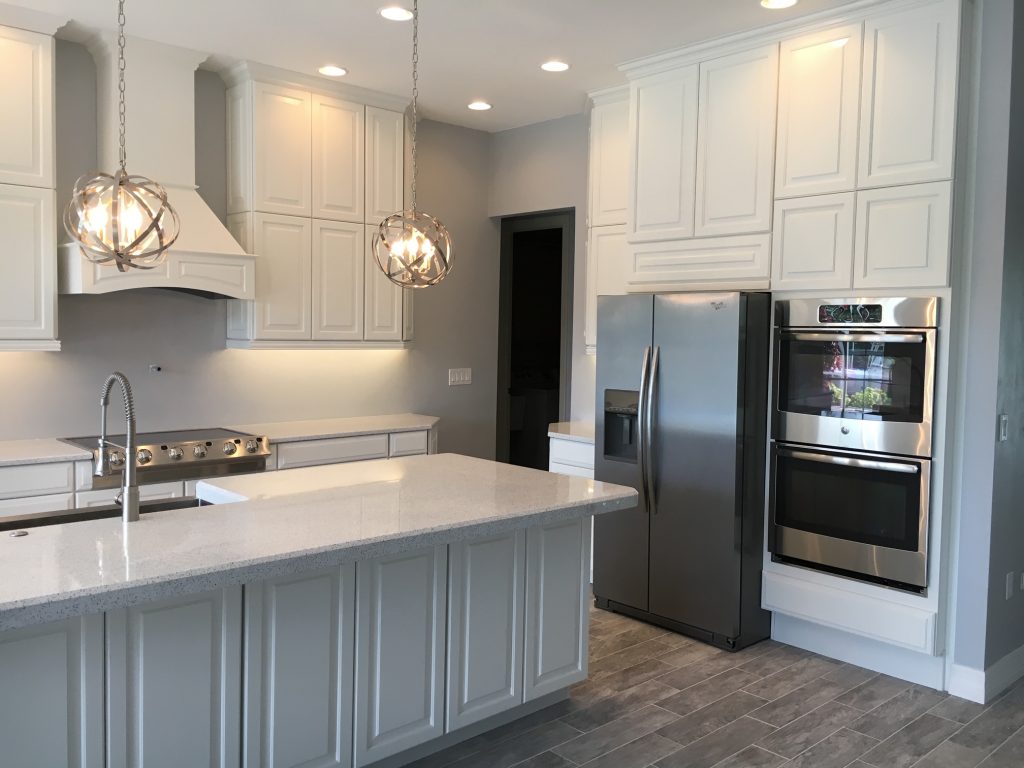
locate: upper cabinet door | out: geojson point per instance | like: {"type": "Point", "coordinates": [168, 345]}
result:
{"type": "Point", "coordinates": [608, 273]}
{"type": "Point", "coordinates": [819, 97]}
{"type": "Point", "coordinates": [28, 268]}
{"type": "Point", "coordinates": [384, 299]}
{"type": "Point", "coordinates": [338, 261]}
{"type": "Point", "coordinates": [736, 142]}
{"type": "Point", "coordinates": [662, 151]}
{"type": "Point", "coordinates": [282, 245]}
{"type": "Point", "coordinates": [338, 165]}
{"type": "Point", "coordinates": [908, 112]}
{"type": "Point", "coordinates": [282, 150]}
{"type": "Point", "coordinates": [385, 163]}
{"type": "Point", "coordinates": [26, 91]}
{"type": "Point", "coordinates": [609, 161]}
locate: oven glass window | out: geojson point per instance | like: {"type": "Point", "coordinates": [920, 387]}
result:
{"type": "Point", "coordinates": [869, 380]}
{"type": "Point", "coordinates": [870, 506]}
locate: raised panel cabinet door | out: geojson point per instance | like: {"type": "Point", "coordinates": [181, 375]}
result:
{"type": "Point", "coordinates": [174, 682]}
{"type": "Point", "coordinates": [299, 646]}
{"type": "Point", "coordinates": [338, 163]}
{"type": "Point", "coordinates": [740, 261]}
{"type": "Point", "coordinates": [813, 242]}
{"type": "Point", "coordinates": [819, 111]}
{"type": "Point", "coordinates": [662, 155]}
{"type": "Point", "coordinates": [400, 640]}
{"type": "Point", "coordinates": [283, 249]}
{"type": "Point", "coordinates": [609, 159]}
{"type": "Point", "coordinates": [338, 283]}
{"type": "Point", "coordinates": [385, 303]}
{"type": "Point", "coordinates": [51, 694]}
{"type": "Point", "coordinates": [736, 142]}
{"type": "Point", "coordinates": [485, 627]}
{"type": "Point", "coordinates": [908, 101]}
{"type": "Point", "coordinates": [385, 163]}
{"type": "Point", "coordinates": [608, 271]}
{"type": "Point", "coordinates": [26, 91]}
{"type": "Point", "coordinates": [282, 150]}
{"type": "Point", "coordinates": [28, 269]}
{"type": "Point", "coordinates": [238, 105]}
{"type": "Point", "coordinates": [903, 236]}
{"type": "Point", "coordinates": [557, 588]}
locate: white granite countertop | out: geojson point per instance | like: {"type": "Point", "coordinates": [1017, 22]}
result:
{"type": "Point", "coordinates": [313, 429]}
{"type": "Point", "coordinates": [343, 512]}
{"type": "Point", "coordinates": [577, 431]}
{"type": "Point", "coordinates": [43, 451]}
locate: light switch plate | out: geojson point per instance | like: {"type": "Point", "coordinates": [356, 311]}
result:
{"type": "Point", "coordinates": [458, 377]}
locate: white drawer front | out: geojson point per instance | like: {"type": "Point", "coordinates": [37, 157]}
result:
{"type": "Point", "coordinates": [568, 469]}
{"type": "Point", "coordinates": [336, 451]}
{"type": "Point", "coordinates": [36, 480]}
{"type": "Point", "coordinates": [34, 504]}
{"type": "Point", "coordinates": [408, 443]}
{"type": "Point", "coordinates": [151, 492]}
{"type": "Point", "coordinates": [572, 453]}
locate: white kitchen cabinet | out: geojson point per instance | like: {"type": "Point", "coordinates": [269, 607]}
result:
{"type": "Point", "coordinates": [908, 101]}
{"type": "Point", "coordinates": [400, 652]}
{"type": "Point", "coordinates": [299, 641]}
{"type": "Point", "coordinates": [557, 570]}
{"type": "Point", "coordinates": [51, 694]}
{"type": "Point", "coordinates": [282, 150]}
{"type": "Point", "coordinates": [608, 272]}
{"type": "Point", "coordinates": [283, 249]}
{"type": "Point", "coordinates": [609, 157]}
{"type": "Point", "coordinates": [813, 243]}
{"type": "Point", "coordinates": [741, 261]}
{"type": "Point", "coordinates": [385, 163]}
{"type": "Point", "coordinates": [32, 504]}
{"type": "Point", "coordinates": [338, 263]}
{"type": "Point", "coordinates": [336, 450]}
{"type": "Point", "coordinates": [238, 113]}
{"type": "Point", "coordinates": [736, 142]}
{"type": "Point", "coordinates": [819, 98]}
{"type": "Point", "coordinates": [485, 627]}
{"type": "Point", "coordinates": [147, 492]}
{"type": "Point", "coordinates": [408, 444]}
{"type": "Point", "coordinates": [37, 479]}
{"type": "Point", "coordinates": [384, 303]}
{"type": "Point", "coordinates": [28, 270]}
{"type": "Point", "coordinates": [26, 91]}
{"type": "Point", "coordinates": [174, 690]}
{"type": "Point", "coordinates": [903, 236]}
{"type": "Point", "coordinates": [338, 162]}
{"type": "Point", "coordinates": [662, 155]}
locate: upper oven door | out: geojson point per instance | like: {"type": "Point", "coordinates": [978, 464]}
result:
{"type": "Point", "coordinates": [861, 389]}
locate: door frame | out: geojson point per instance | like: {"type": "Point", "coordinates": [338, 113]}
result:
{"type": "Point", "coordinates": [564, 219]}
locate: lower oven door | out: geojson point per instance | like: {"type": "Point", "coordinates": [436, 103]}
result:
{"type": "Point", "coordinates": [866, 514]}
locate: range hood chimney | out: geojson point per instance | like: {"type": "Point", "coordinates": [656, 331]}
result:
{"type": "Point", "coordinates": [160, 90]}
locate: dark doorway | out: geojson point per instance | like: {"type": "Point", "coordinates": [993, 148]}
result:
{"type": "Point", "coordinates": [535, 333]}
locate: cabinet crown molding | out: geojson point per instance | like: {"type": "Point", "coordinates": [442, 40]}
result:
{"type": "Point", "coordinates": [614, 95]}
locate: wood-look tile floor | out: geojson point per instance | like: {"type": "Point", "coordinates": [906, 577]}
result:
{"type": "Point", "coordinates": [655, 698]}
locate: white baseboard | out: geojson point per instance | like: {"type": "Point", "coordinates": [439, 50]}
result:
{"type": "Point", "coordinates": [967, 683]}
{"type": "Point", "coordinates": [984, 685]}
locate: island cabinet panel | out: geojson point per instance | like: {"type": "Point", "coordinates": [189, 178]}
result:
{"type": "Point", "coordinates": [282, 150]}
{"type": "Point", "coordinates": [174, 688]}
{"type": "Point", "coordinates": [299, 640]}
{"type": "Point", "coordinates": [338, 166]}
{"type": "Point", "coordinates": [51, 695]}
{"type": "Point", "coordinates": [400, 652]}
{"type": "Point", "coordinates": [557, 570]}
{"type": "Point", "coordinates": [485, 627]}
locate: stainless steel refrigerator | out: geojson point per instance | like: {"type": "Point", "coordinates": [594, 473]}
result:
{"type": "Point", "coordinates": [682, 395]}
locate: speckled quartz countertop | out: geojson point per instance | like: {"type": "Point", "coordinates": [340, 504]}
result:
{"type": "Point", "coordinates": [343, 512]}
{"type": "Point", "coordinates": [313, 429]}
{"type": "Point", "coordinates": [577, 431]}
{"type": "Point", "coordinates": [45, 451]}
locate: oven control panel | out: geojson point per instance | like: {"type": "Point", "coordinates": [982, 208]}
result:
{"type": "Point", "coordinates": [860, 314]}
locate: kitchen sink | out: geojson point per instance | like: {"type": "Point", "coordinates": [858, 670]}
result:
{"type": "Point", "coordinates": [61, 516]}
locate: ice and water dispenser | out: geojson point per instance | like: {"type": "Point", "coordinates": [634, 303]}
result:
{"type": "Point", "coordinates": [621, 433]}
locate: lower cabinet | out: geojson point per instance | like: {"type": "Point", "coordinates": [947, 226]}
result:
{"type": "Point", "coordinates": [400, 640]}
{"type": "Point", "coordinates": [174, 688]}
{"type": "Point", "coordinates": [51, 695]}
{"type": "Point", "coordinates": [299, 639]}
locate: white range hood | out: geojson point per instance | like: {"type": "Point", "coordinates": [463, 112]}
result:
{"type": "Point", "coordinates": [160, 93]}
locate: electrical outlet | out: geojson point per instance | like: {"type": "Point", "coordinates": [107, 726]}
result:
{"type": "Point", "coordinates": [1011, 579]}
{"type": "Point", "coordinates": [459, 376]}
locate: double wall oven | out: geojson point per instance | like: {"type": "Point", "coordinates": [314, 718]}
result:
{"type": "Point", "coordinates": [852, 436]}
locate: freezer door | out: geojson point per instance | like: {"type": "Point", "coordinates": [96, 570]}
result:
{"type": "Point", "coordinates": [695, 537]}
{"type": "Point", "coordinates": [624, 330]}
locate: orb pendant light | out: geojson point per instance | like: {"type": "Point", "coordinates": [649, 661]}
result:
{"type": "Point", "coordinates": [121, 219]}
{"type": "Point", "coordinates": [413, 248]}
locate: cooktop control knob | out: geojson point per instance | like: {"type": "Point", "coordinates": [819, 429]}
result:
{"type": "Point", "coordinates": [175, 453]}
{"type": "Point", "coordinates": [116, 459]}
{"type": "Point", "coordinates": [144, 456]}
{"type": "Point", "coordinates": [252, 446]}
{"type": "Point", "coordinates": [199, 451]}
{"type": "Point", "coordinates": [229, 448]}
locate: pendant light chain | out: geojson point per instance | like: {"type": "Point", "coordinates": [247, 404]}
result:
{"type": "Point", "coordinates": [415, 89]}
{"type": "Point", "coordinates": [120, 81]}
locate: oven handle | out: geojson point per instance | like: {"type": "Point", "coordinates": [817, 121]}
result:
{"type": "Point", "coordinates": [894, 338]}
{"type": "Point", "coordinates": [824, 458]}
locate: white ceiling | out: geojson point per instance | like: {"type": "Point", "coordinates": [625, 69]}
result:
{"type": "Point", "coordinates": [469, 49]}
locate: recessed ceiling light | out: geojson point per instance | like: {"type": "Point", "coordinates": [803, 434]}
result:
{"type": "Point", "coordinates": [395, 13]}
{"type": "Point", "coordinates": [332, 71]}
{"type": "Point", "coordinates": [554, 66]}
{"type": "Point", "coordinates": [479, 106]}
{"type": "Point", "coordinates": [775, 5]}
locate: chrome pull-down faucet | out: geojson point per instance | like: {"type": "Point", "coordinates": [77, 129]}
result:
{"type": "Point", "coordinates": [129, 485]}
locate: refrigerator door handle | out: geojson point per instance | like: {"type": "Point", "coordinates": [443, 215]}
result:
{"type": "Point", "coordinates": [641, 419]}
{"type": "Point", "coordinates": [652, 381]}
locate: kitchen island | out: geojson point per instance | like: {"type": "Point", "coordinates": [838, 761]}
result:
{"type": "Point", "coordinates": [338, 615]}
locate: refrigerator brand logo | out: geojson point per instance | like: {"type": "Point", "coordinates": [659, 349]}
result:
{"type": "Point", "coordinates": [717, 305]}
